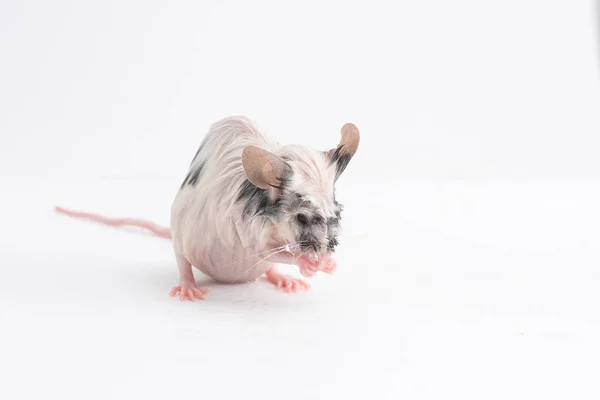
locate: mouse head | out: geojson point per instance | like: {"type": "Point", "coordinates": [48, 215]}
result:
{"type": "Point", "coordinates": [295, 189]}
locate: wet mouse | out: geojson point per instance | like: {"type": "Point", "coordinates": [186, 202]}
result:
{"type": "Point", "coordinates": [248, 203]}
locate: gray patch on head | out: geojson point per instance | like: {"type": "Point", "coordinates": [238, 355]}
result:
{"type": "Point", "coordinates": [257, 202]}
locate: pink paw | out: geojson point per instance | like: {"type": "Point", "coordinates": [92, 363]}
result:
{"type": "Point", "coordinates": [329, 266]}
{"type": "Point", "coordinates": [189, 291]}
{"type": "Point", "coordinates": [309, 268]}
{"type": "Point", "coordinates": [287, 283]}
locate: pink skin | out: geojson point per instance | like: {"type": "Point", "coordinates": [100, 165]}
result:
{"type": "Point", "coordinates": [286, 282]}
{"type": "Point", "coordinates": [188, 291]}
{"type": "Point", "coordinates": [187, 288]}
{"type": "Point", "coordinates": [308, 266]}
{"type": "Point", "coordinates": [117, 222]}
{"type": "Point", "coordinates": [329, 266]}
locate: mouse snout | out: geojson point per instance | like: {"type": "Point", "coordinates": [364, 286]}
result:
{"type": "Point", "coordinates": [313, 250]}
{"type": "Point", "coordinates": [312, 246]}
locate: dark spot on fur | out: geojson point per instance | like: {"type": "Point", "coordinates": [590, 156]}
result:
{"type": "Point", "coordinates": [257, 202]}
{"type": "Point", "coordinates": [331, 244]}
{"type": "Point", "coordinates": [196, 155]}
{"type": "Point", "coordinates": [341, 160]}
{"type": "Point", "coordinates": [285, 180]}
{"type": "Point", "coordinates": [338, 209]}
{"type": "Point", "coordinates": [333, 225]}
{"type": "Point", "coordinates": [193, 176]}
{"type": "Point", "coordinates": [248, 191]}
{"type": "Point", "coordinates": [271, 211]}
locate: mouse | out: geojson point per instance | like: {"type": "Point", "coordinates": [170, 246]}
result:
{"type": "Point", "coordinates": [248, 203]}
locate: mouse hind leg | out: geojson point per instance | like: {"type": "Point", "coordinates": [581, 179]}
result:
{"type": "Point", "coordinates": [187, 289]}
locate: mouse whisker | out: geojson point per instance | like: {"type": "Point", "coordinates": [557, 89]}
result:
{"type": "Point", "coordinates": [254, 265]}
{"type": "Point", "coordinates": [273, 249]}
{"type": "Point", "coordinates": [272, 252]}
{"type": "Point", "coordinates": [300, 255]}
{"type": "Point", "coordinates": [259, 254]}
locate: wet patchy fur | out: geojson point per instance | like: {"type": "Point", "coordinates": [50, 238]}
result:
{"type": "Point", "coordinates": [221, 223]}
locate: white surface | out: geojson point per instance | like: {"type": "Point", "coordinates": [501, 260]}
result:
{"type": "Point", "coordinates": [479, 290]}
{"type": "Point", "coordinates": [469, 267]}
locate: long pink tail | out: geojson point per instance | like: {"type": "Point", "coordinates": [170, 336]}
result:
{"type": "Point", "coordinates": [117, 222]}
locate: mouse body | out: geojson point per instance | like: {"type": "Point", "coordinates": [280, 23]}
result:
{"type": "Point", "coordinates": [248, 203]}
{"type": "Point", "coordinates": [214, 226]}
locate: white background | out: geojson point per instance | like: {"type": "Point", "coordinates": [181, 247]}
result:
{"type": "Point", "coordinates": [469, 266]}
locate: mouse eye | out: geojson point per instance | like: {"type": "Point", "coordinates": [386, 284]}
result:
{"type": "Point", "coordinates": [318, 220]}
{"type": "Point", "coordinates": [302, 219]}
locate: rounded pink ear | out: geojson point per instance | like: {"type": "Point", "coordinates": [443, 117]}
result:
{"type": "Point", "coordinates": [350, 139]}
{"type": "Point", "coordinates": [263, 168]}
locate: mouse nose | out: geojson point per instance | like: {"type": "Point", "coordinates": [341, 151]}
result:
{"type": "Point", "coordinates": [312, 248]}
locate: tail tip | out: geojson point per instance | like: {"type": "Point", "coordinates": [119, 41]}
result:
{"type": "Point", "coordinates": [59, 209]}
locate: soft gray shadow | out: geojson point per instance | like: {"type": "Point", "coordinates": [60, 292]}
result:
{"type": "Point", "coordinates": [157, 280]}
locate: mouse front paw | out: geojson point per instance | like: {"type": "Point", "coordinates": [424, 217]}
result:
{"type": "Point", "coordinates": [309, 268]}
{"type": "Point", "coordinates": [329, 266]}
{"type": "Point", "coordinates": [285, 282]}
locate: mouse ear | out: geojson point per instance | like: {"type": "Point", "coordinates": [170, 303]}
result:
{"type": "Point", "coordinates": [264, 169]}
{"type": "Point", "coordinates": [345, 150]}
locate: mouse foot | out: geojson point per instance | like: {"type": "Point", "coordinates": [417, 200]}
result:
{"type": "Point", "coordinates": [189, 290]}
{"type": "Point", "coordinates": [286, 282]}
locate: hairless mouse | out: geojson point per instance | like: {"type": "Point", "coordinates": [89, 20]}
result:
{"type": "Point", "coordinates": [248, 203]}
